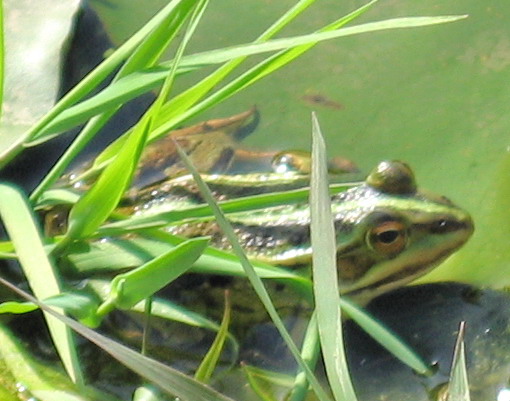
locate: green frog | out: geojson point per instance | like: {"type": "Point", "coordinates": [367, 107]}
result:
{"type": "Point", "coordinates": [389, 232]}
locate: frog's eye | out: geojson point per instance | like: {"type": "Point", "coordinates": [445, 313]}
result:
{"type": "Point", "coordinates": [388, 237]}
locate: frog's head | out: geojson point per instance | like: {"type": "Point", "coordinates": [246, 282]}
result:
{"type": "Point", "coordinates": [394, 233]}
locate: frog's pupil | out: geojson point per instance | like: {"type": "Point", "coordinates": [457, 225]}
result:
{"type": "Point", "coordinates": [387, 237]}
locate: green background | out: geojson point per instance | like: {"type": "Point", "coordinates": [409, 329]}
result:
{"type": "Point", "coordinates": [436, 97]}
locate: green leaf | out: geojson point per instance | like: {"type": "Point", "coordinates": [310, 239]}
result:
{"type": "Point", "coordinates": [190, 96]}
{"type": "Point", "coordinates": [17, 307]}
{"type": "Point", "coordinates": [96, 205]}
{"type": "Point", "coordinates": [385, 337]}
{"type": "Point", "coordinates": [139, 83]}
{"type": "Point", "coordinates": [38, 268]}
{"type": "Point", "coordinates": [245, 204]}
{"type": "Point", "coordinates": [127, 289]}
{"type": "Point", "coordinates": [145, 55]}
{"type": "Point", "coordinates": [210, 361]}
{"type": "Point", "coordinates": [31, 378]}
{"type": "Point", "coordinates": [325, 277]}
{"type": "Point", "coordinates": [260, 382]}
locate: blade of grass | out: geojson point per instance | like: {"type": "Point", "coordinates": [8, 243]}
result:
{"type": "Point", "coordinates": [186, 99]}
{"type": "Point", "coordinates": [127, 289]}
{"type": "Point", "coordinates": [310, 351]}
{"type": "Point", "coordinates": [255, 280]}
{"type": "Point", "coordinates": [172, 381]}
{"type": "Point", "coordinates": [145, 55]}
{"type": "Point", "coordinates": [91, 81]}
{"type": "Point", "coordinates": [165, 91]}
{"type": "Point", "coordinates": [458, 387]}
{"type": "Point", "coordinates": [260, 385]}
{"type": "Point", "coordinates": [88, 258]}
{"type": "Point", "coordinates": [38, 268]}
{"type": "Point", "coordinates": [133, 86]}
{"type": "Point", "coordinates": [385, 337]}
{"type": "Point", "coordinates": [29, 378]}
{"type": "Point", "coordinates": [210, 361]}
{"type": "Point", "coordinates": [279, 60]}
{"type": "Point", "coordinates": [245, 204]}
{"type": "Point", "coordinates": [325, 277]}
{"type": "Point", "coordinates": [96, 205]}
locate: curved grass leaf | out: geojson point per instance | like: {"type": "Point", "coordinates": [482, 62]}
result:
{"type": "Point", "coordinates": [255, 280]}
{"type": "Point", "coordinates": [17, 307]}
{"type": "Point", "coordinates": [96, 205]}
{"type": "Point", "coordinates": [145, 55]}
{"type": "Point", "coordinates": [38, 268]}
{"type": "Point", "coordinates": [458, 386]}
{"type": "Point", "coordinates": [116, 254]}
{"type": "Point", "coordinates": [127, 289]}
{"type": "Point", "coordinates": [210, 361]}
{"type": "Point", "coordinates": [385, 337]}
{"type": "Point", "coordinates": [93, 79]}
{"type": "Point", "coordinates": [133, 86]}
{"type": "Point", "coordinates": [168, 379]}
{"type": "Point", "coordinates": [325, 277]}
{"type": "Point", "coordinates": [310, 351]}
{"type": "Point", "coordinates": [186, 99]}
{"type": "Point", "coordinates": [244, 204]}
{"type": "Point", "coordinates": [33, 379]}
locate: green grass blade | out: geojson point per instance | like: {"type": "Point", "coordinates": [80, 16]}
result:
{"type": "Point", "coordinates": [38, 268]}
{"type": "Point", "coordinates": [210, 361]}
{"type": "Point", "coordinates": [259, 384]}
{"type": "Point", "coordinates": [133, 86]}
{"type": "Point", "coordinates": [186, 99]}
{"type": "Point", "coordinates": [310, 351]}
{"type": "Point", "coordinates": [30, 378]}
{"type": "Point", "coordinates": [137, 84]}
{"type": "Point", "coordinates": [127, 289]}
{"type": "Point", "coordinates": [168, 379]}
{"type": "Point", "coordinates": [133, 252]}
{"type": "Point", "coordinates": [458, 387]}
{"type": "Point", "coordinates": [105, 68]}
{"type": "Point", "coordinates": [255, 280]}
{"type": "Point", "coordinates": [108, 190]}
{"type": "Point", "coordinates": [325, 277]}
{"type": "Point", "coordinates": [385, 337]}
{"type": "Point", "coordinates": [96, 205]}
{"type": "Point", "coordinates": [279, 60]}
{"type": "Point", "coordinates": [246, 204]}
{"type": "Point", "coordinates": [145, 55]}
{"type": "Point", "coordinates": [17, 307]}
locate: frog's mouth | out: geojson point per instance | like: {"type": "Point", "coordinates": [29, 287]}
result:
{"type": "Point", "coordinates": [397, 279]}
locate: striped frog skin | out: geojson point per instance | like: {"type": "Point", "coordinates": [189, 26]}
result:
{"type": "Point", "coordinates": [388, 231]}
